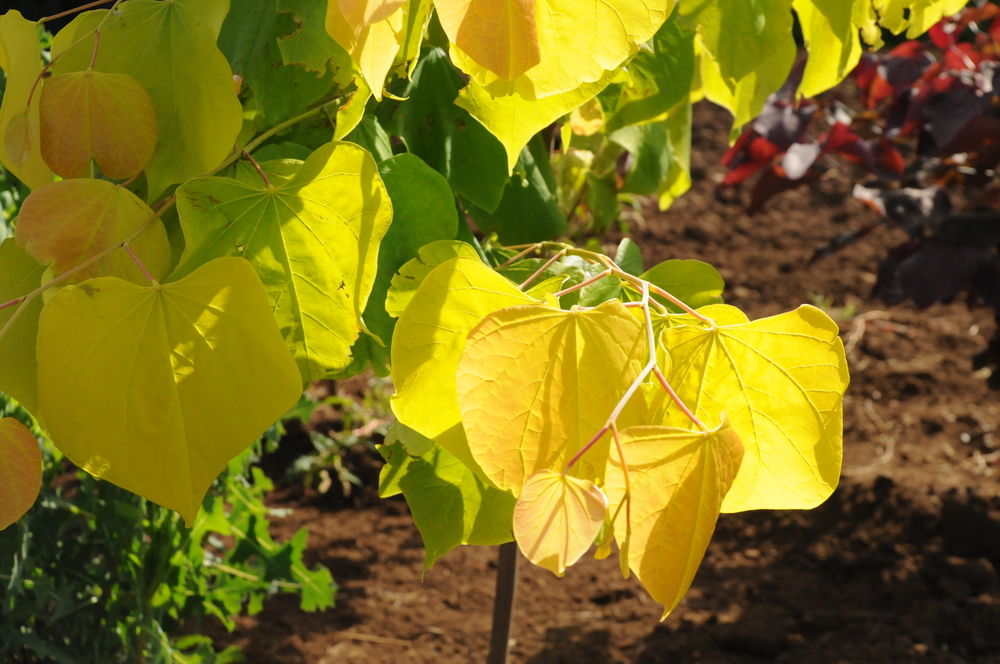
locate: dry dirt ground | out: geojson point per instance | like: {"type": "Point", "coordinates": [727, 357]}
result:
{"type": "Point", "coordinates": [898, 566]}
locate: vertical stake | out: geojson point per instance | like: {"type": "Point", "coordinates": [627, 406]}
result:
{"type": "Point", "coordinates": [503, 605]}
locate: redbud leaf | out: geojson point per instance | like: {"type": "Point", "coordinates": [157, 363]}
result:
{"type": "Point", "coordinates": [67, 222]}
{"type": "Point", "coordinates": [677, 480]}
{"type": "Point", "coordinates": [90, 114]}
{"type": "Point", "coordinates": [20, 274]}
{"type": "Point", "coordinates": [157, 388]}
{"type": "Point", "coordinates": [20, 471]}
{"type": "Point", "coordinates": [556, 519]}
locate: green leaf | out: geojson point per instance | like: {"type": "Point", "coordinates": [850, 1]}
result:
{"type": "Point", "coordinates": [694, 283]}
{"type": "Point", "coordinates": [528, 211]}
{"type": "Point", "coordinates": [397, 460]}
{"type": "Point", "coordinates": [370, 135]}
{"type": "Point", "coordinates": [310, 45]}
{"type": "Point", "coordinates": [678, 178]}
{"type": "Point", "coordinates": [649, 146]}
{"type": "Point", "coordinates": [170, 48]}
{"type": "Point", "coordinates": [19, 275]}
{"type": "Point", "coordinates": [156, 388]}
{"type": "Point", "coordinates": [250, 41]}
{"type": "Point", "coordinates": [629, 257]}
{"type": "Point", "coordinates": [446, 137]}
{"type": "Point", "coordinates": [411, 274]}
{"type": "Point", "coordinates": [740, 35]}
{"type": "Point", "coordinates": [415, 13]}
{"type": "Point", "coordinates": [314, 241]}
{"type": "Point", "coordinates": [660, 79]}
{"type": "Point", "coordinates": [283, 150]}
{"type": "Point", "coordinates": [450, 505]}
{"type": "Point", "coordinates": [413, 442]}
{"type": "Point", "coordinates": [602, 200]}
{"type": "Point", "coordinates": [423, 211]}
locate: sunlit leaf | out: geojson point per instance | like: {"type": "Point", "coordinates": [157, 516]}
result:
{"type": "Point", "coordinates": [578, 43]}
{"type": "Point", "coordinates": [92, 115]}
{"type": "Point", "coordinates": [677, 480]}
{"type": "Point", "coordinates": [68, 222]}
{"type": "Point", "coordinates": [21, 59]}
{"type": "Point", "coordinates": [536, 383]}
{"type": "Point", "coordinates": [833, 42]}
{"type": "Point", "coordinates": [781, 381]}
{"type": "Point", "coordinates": [430, 334]}
{"type": "Point", "coordinates": [20, 274]}
{"type": "Point", "coordinates": [745, 97]}
{"type": "Point", "coordinates": [313, 240]}
{"type": "Point", "coordinates": [514, 120]}
{"type": "Point", "coordinates": [658, 79]}
{"type": "Point", "coordinates": [155, 389]}
{"type": "Point", "coordinates": [740, 36]}
{"type": "Point", "coordinates": [170, 48]}
{"type": "Point", "coordinates": [412, 273]}
{"type": "Point", "coordinates": [915, 16]}
{"type": "Point", "coordinates": [557, 518]}
{"type": "Point", "coordinates": [500, 35]}
{"type": "Point", "coordinates": [20, 471]}
{"type": "Point", "coordinates": [450, 505]}
{"type": "Point", "coordinates": [372, 46]}
{"type": "Point", "coordinates": [366, 12]}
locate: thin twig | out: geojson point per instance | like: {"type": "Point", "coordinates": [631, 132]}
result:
{"type": "Point", "coordinates": [74, 11]}
{"type": "Point", "coordinates": [260, 171]}
{"type": "Point", "coordinates": [542, 269]}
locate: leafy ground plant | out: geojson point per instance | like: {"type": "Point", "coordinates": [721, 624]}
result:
{"type": "Point", "coordinates": [186, 263]}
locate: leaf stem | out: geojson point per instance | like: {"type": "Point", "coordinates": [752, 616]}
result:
{"type": "Point", "coordinates": [127, 247]}
{"type": "Point", "coordinates": [531, 248]}
{"type": "Point", "coordinates": [97, 44]}
{"type": "Point", "coordinates": [73, 11]}
{"type": "Point", "coordinates": [25, 299]}
{"type": "Point", "coordinates": [677, 400]}
{"type": "Point", "coordinates": [583, 284]}
{"type": "Point", "coordinates": [260, 171]}
{"type": "Point", "coordinates": [542, 269]}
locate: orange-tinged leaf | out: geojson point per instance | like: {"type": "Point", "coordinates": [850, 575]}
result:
{"type": "Point", "coordinates": [90, 114]}
{"type": "Point", "coordinates": [20, 137]}
{"type": "Point", "coordinates": [21, 59]}
{"type": "Point", "coordinates": [556, 519]}
{"type": "Point", "coordinates": [20, 471]}
{"type": "Point", "coordinates": [678, 480]}
{"type": "Point", "coordinates": [500, 35]}
{"type": "Point", "coordinates": [536, 383]}
{"type": "Point", "coordinates": [362, 13]}
{"type": "Point", "coordinates": [67, 222]}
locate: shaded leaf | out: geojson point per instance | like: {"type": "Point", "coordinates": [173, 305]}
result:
{"type": "Point", "coordinates": [21, 59]}
{"type": "Point", "coordinates": [155, 389]}
{"type": "Point", "coordinates": [694, 283]}
{"type": "Point", "coordinates": [68, 222]}
{"type": "Point", "coordinates": [170, 49]}
{"type": "Point", "coordinates": [446, 137]}
{"type": "Point", "coordinates": [20, 274]}
{"type": "Point", "coordinates": [20, 471]}
{"type": "Point", "coordinates": [372, 46]}
{"type": "Point", "coordinates": [92, 115]}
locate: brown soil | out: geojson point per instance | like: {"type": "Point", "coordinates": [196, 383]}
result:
{"type": "Point", "coordinates": [898, 566]}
